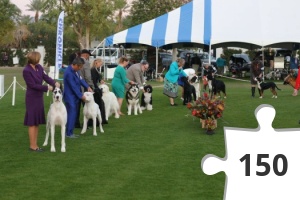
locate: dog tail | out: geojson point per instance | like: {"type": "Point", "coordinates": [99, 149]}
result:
{"type": "Point", "coordinates": [277, 87]}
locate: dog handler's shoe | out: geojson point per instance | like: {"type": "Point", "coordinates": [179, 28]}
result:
{"type": "Point", "coordinates": [295, 93]}
{"type": "Point", "coordinates": [36, 150]}
{"type": "Point", "coordinates": [72, 136]}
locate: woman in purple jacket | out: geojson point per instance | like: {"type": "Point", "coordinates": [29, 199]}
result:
{"type": "Point", "coordinates": [34, 75]}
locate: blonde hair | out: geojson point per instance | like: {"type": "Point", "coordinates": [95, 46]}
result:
{"type": "Point", "coordinates": [97, 60]}
{"type": "Point", "coordinates": [33, 57]}
{"type": "Point", "coordinates": [180, 61]}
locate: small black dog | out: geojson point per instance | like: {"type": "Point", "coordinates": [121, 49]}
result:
{"type": "Point", "coordinates": [218, 86]}
{"type": "Point", "coordinates": [263, 86]}
{"type": "Point", "coordinates": [189, 90]}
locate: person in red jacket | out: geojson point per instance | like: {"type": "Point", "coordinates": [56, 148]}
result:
{"type": "Point", "coordinates": [297, 85]}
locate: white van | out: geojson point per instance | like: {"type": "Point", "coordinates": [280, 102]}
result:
{"type": "Point", "coordinates": [109, 55]}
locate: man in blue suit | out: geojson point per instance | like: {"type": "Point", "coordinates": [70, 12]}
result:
{"type": "Point", "coordinates": [72, 93]}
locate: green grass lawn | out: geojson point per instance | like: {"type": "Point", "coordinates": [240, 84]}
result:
{"type": "Point", "coordinates": [156, 155]}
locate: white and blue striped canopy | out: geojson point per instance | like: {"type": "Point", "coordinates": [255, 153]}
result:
{"type": "Point", "coordinates": [181, 25]}
{"type": "Point", "coordinates": [219, 23]}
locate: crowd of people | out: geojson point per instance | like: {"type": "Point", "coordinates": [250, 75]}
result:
{"type": "Point", "coordinates": [79, 77]}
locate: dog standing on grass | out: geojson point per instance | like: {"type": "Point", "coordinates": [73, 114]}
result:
{"type": "Point", "coordinates": [189, 93]}
{"type": "Point", "coordinates": [91, 111]}
{"type": "Point", "coordinates": [266, 85]}
{"type": "Point", "coordinates": [194, 81]}
{"type": "Point", "coordinates": [110, 102]}
{"type": "Point", "coordinates": [133, 99]}
{"type": "Point", "coordinates": [218, 86]}
{"type": "Point", "coordinates": [57, 115]}
{"type": "Point", "coordinates": [146, 100]}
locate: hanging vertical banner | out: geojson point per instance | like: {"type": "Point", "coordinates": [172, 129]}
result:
{"type": "Point", "coordinates": [59, 44]}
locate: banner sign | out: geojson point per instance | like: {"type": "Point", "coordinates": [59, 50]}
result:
{"type": "Point", "coordinates": [59, 44]}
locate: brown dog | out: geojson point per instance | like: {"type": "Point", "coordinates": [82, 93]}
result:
{"type": "Point", "coordinates": [290, 80]}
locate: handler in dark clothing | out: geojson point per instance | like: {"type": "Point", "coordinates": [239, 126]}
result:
{"type": "Point", "coordinates": [255, 71]}
{"type": "Point", "coordinates": [72, 93]}
{"type": "Point", "coordinates": [209, 72]}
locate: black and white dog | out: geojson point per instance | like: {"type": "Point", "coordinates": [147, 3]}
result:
{"type": "Point", "coordinates": [266, 85]}
{"type": "Point", "coordinates": [146, 100]}
{"type": "Point", "coordinates": [133, 99]}
{"type": "Point", "coordinates": [91, 111]}
{"type": "Point", "coordinates": [57, 115]}
{"type": "Point", "coordinates": [218, 86]}
{"type": "Point", "coordinates": [188, 91]}
{"type": "Point", "coordinates": [194, 81]}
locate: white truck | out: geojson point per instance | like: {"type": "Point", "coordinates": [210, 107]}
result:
{"type": "Point", "coordinates": [110, 56]}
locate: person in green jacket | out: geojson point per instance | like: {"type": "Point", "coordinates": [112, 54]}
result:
{"type": "Point", "coordinates": [171, 80]}
{"type": "Point", "coordinates": [119, 81]}
{"type": "Point", "coordinates": [221, 62]}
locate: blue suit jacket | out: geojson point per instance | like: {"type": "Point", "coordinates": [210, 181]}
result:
{"type": "Point", "coordinates": [72, 85]}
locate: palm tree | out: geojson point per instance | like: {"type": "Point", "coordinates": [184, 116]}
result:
{"type": "Point", "coordinates": [36, 6]}
{"type": "Point", "coordinates": [9, 15]}
{"type": "Point", "coordinates": [119, 17]}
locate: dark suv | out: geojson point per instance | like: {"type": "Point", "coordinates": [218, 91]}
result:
{"type": "Point", "coordinates": [239, 63]}
{"type": "Point", "coordinates": [203, 56]}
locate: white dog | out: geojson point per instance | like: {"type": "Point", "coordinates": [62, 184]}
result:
{"type": "Point", "coordinates": [91, 111]}
{"type": "Point", "coordinates": [57, 115]}
{"type": "Point", "coordinates": [110, 102]}
{"type": "Point", "coordinates": [133, 98]}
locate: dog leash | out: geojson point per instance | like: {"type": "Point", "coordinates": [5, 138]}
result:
{"type": "Point", "coordinates": [234, 78]}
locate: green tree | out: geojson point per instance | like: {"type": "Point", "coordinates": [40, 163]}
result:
{"type": "Point", "coordinates": [9, 14]}
{"type": "Point", "coordinates": [51, 11]}
{"type": "Point", "coordinates": [91, 17]}
{"type": "Point", "coordinates": [120, 17]}
{"type": "Point", "coordinates": [145, 10]}
{"type": "Point", "coordinates": [44, 34]}
{"type": "Point", "coordinates": [36, 6]}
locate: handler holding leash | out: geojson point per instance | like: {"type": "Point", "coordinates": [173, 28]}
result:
{"type": "Point", "coordinates": [136, 73]}
{"type": "Point", "coordinates": [255, 71]}
{"type": "Point", "coordinates": [119, 81]}
{"type": "Point", "coordinates": [34, 76]}
{"type": "Point", "coordinates": [296, 74]}
{"type": "Point", "coordinates": [209, 72]}
{"type": "Point", "coordinates": [171, 80]}
{"type": "Point", "coordinates": [72, 93]}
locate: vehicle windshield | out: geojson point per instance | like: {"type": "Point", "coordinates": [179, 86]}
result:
{"type": "Point", "coordinates": [108, 52]}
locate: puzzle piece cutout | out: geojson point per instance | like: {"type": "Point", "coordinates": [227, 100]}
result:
{"type": "Point", "coordinates": [260, 164]}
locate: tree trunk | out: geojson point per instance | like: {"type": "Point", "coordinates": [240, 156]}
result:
{"type": "Point", "coordinates": [87, 37]}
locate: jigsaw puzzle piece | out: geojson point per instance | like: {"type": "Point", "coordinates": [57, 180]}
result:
{"type": "Point", "coordinates": [212, 164]}
{"type": "Point", "coordinates": [265, 115]}
{"type": "Point", "coordinates": [260, 163]}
